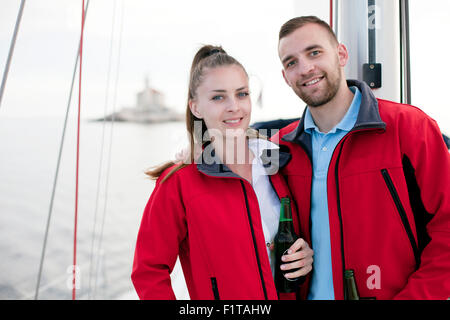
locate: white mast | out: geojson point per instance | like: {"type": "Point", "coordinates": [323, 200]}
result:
{"type": "Point", "coordinates": [354, 20]}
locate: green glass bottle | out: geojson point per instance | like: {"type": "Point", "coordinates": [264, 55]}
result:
{"type": "Point", "coordinates": [350, 288]}
{"type": "Point", "coordinates": [283, 240]}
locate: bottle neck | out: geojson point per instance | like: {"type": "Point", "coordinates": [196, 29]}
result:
{"type": "Point", "coordinates": [351, 289]}
{"type": "Point", "coordinates": [286, 223]}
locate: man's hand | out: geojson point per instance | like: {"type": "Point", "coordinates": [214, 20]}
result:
{"type": "Point", "coordinates": [299, 256]}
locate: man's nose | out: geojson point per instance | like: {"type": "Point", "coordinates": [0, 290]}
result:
{"type": "Point", "coordinates": [305, 68]}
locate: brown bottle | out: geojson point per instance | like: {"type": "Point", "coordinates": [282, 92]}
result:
{"type": "Point", "coordinates": [350, 288]}
{"type": "Point", "coordinates": [283, 240]}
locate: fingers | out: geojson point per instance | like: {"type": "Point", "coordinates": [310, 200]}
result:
{"type": "Point", "coordinates": [297, 264]}
{"type": "Point", "coordinates": [299, 273]}
{"type": "Point", "coordinates": [297, 245]}
{"type": "Point", "coordinates": [299, 258]}
{"type": "Point", "coordinates": [299, 250]}
{"type": "Point", "coordinates": [182, 155]}
{"type": "Point", "coordinates": [297, 255]}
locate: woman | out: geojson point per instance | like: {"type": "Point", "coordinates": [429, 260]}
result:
{"type": "Point", "coordinates": [219, 212]}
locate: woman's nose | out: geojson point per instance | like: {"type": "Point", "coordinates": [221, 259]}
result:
{"type": "Point", "coordinates": [233, 105]}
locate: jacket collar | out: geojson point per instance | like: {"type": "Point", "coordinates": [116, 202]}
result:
{"type": "Point", "coordinates": [368, 116]}
{"type": "Point", "coordinates": [213, 166]}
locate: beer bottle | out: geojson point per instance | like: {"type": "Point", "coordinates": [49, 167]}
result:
{"type": "Point", "coordinates": [283, 240]}
{"type": "Point", "coordinates": [350, 288]}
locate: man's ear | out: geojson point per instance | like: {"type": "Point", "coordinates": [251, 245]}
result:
{"type": "Point", "coordinates": [194, 109]}
{"type": "Point", "coordinates": [284, 77]}
{"type": "Point", "coordinates": [343, 55]}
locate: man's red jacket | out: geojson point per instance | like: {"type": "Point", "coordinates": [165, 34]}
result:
{"type": "Point", "coordinates": [388, 195]}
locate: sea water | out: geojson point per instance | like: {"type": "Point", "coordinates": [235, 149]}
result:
{"type": "Point", "coordinates": [113, 191]}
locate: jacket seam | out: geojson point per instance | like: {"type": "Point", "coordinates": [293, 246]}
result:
{"type": "Point", "coordinates": [376, 170]}
{"type": "Point", "coordinates": [339, 211]}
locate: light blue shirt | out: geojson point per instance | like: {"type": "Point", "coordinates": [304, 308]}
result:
{"type": "Point", "coordinates": [323, 145]}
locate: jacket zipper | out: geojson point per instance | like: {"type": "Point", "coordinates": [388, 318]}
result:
{"type": "Point", "coordinates": [287, 195]}
{"type": "Point", "coordinates": [402, 213]}
{"type": "Point", "coordinates": [215, 289]}
{"type": "Point", "coordinates": [338, 199]}
{"type": "Point", "coordinates": [258, 261]}
{"type": "Point", "coordinates": [275, 190]}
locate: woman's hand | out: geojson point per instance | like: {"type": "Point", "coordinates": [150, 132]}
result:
{"type": "Point", "coordinates": [183, 155]}
{"type": "Point", "coordinates": [299, 256]}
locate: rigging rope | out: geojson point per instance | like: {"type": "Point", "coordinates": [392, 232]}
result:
{"type": "Point", "coordinates": [331, 14]}
{"type": "Point", "coordinates": [50, 211]}
{"type": "Point", "coordinates": [91, 259]}
{"type": "Point", "coordinates": [78, 160]}
{"type": "Point", "coordinates": [11, 51]}
{"type": "Point", "coordinates": [110, 139]}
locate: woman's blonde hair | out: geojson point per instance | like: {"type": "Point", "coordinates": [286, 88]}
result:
{"type": "Point", "coordinates": [207, 57]}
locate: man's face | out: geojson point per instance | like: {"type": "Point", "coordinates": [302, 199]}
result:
{"type": "Point", "coordinates": [312, 64]}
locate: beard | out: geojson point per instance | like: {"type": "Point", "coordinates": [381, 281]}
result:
{"type": "Point", "coordinates": [316, 99]}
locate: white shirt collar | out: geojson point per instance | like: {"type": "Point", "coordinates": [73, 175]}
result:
{"type": "Point", "coordinates": [257, 146]}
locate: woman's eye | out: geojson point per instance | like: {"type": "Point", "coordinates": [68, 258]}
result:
{"type": "Point", "coordinates": [217, 98]}
{"type": "Point", "coordinates": [243, 94]}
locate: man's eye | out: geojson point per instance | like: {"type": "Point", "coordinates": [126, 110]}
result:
{"type": "Point", "coordinates": [315, 53]}
{"type": "Point", "coordinates": [290, 64]}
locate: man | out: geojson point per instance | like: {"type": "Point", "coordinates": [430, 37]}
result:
{"type": "Point", "coordinates": [370, 178]}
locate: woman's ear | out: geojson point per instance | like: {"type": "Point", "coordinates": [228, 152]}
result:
{"type": "Point", "coordinates": [194, 109]}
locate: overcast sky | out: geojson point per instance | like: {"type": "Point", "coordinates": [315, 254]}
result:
{"type": "Point", "coordinates": [159, 39]}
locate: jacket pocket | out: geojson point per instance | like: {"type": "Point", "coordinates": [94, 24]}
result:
{"type": "Point", "coordinates": [402, 213]}
{"type": "Point", "coordinates": [215, 289]}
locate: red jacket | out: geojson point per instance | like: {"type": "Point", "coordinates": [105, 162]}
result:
{"type": "Point", "coordinates": [210, 218]}
{"type": "Point", "coordinates": [388, 194]}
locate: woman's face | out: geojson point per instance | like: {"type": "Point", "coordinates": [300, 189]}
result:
{"type": "Point", "coordinates": [223, 101]}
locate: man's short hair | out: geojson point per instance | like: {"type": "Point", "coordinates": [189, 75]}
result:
{"type": "Point", "coordinates": [298, 22]}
